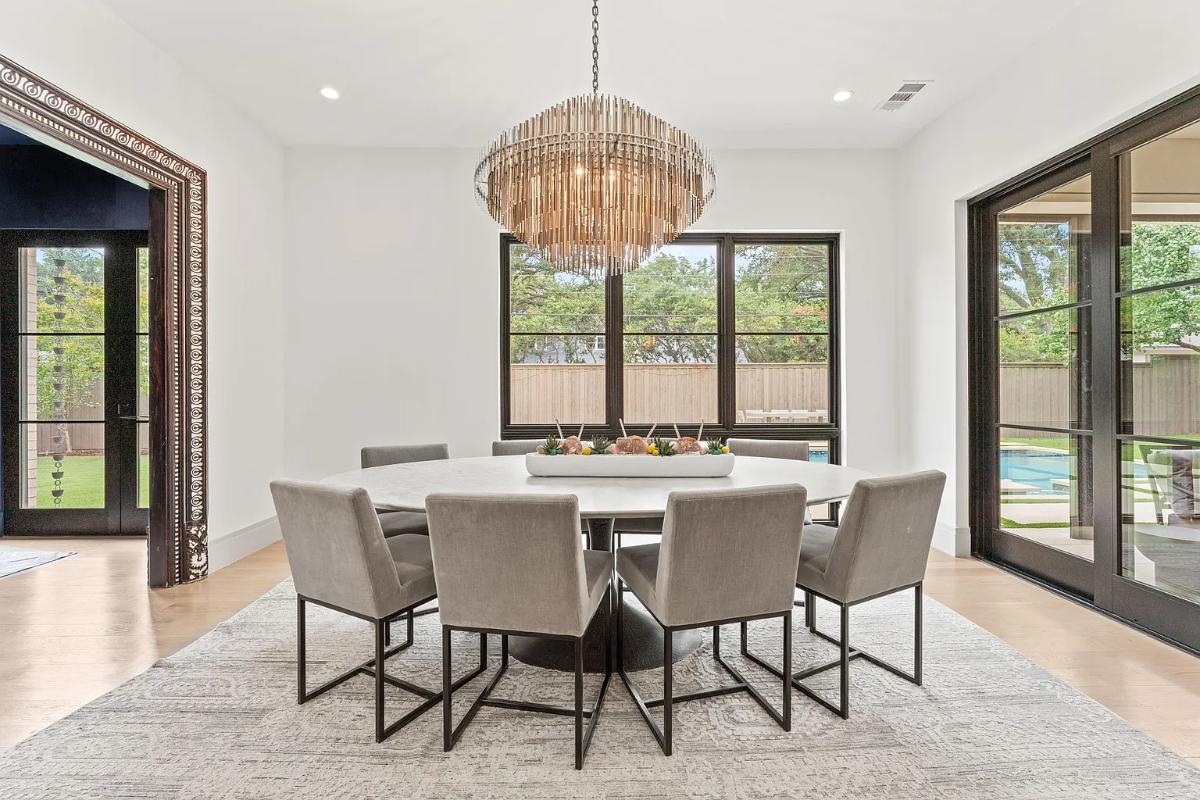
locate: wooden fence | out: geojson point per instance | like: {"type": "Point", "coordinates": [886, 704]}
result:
{"type": "Point", "coordinates": [1165, 400]}
{"type": "Point", "coordinates": [1166, 392]}
{"type": "Point", "coordinates": [661, 392]}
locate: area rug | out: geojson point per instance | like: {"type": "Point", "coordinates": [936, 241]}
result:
{"type": "Point", "coordinates": [14, 560]}
{"type": "Point", "coordinates": [219, 720]}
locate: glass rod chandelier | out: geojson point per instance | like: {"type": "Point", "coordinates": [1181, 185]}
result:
{"type": "Point", "coordinates": [595, 184]}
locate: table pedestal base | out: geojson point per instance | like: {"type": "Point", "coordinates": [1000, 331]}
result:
{"type": "Point", "coordinates": [643, 644]}
{"type": "Point", "coordinates": [643, 635]}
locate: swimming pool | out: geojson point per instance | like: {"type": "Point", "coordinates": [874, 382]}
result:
{"type": "Point", "coordinates": [1035, 466]}
{"type": "Point", "coordinates": [1041, 466]}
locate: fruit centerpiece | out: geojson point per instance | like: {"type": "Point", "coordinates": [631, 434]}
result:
{"type": "Point", "coordinates": [630, 455]}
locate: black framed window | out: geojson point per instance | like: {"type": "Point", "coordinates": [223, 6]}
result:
{"type": "Point", "coordinates": [738, 331]}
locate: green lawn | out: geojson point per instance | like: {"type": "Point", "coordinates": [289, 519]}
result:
{"type": "Point", "coordinates": [83, 482]}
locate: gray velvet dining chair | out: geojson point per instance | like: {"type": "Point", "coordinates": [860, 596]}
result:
{"type": "Point", "coordinates": [726, 556]}
{"type": "Point", "coordinates": [881, 547]}
{"type": "Point", "coordinates": [514, 565]}
{"type": "Point", "coordinates": [396, 523]}
{"type": "Point", "coordinates": [769, 448]}
{"type": "Point", "coordinates": [341, 560]}
{"type": "Point", "coordinates": [515, 447]}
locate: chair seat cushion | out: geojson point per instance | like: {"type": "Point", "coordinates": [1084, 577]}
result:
{"type": "Point", "coordinates": [638, 568]}
{"type": "Point", "coordinates": [414, 565]}
{"type": "Point", "coordinates": [815, 546]}
{"type": "Point", "coordinates": [395, 523]}
{"type": "Point", "coordinates": [597, 568]}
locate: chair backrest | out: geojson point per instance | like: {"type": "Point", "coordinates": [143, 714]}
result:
{"type": "Point", "coordinates": [515, 447]}
{"type": "Point", "coordinates": [509, 562]}
{"type": "Point", "coordinates": [883, 541]}
{"type": "Point", "coordinates": [382, 455]}
{"type": "Point", "coordinates": [769, 448]}
{"type": "Point", "coordinates": [729, 553]}
{"type": "Point", "coordinates": [336, 547]}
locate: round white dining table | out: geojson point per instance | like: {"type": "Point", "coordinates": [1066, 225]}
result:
{"type": "Point", "coordinates": [404, 487]}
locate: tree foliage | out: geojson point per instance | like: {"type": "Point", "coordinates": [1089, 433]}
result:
{"type": "Point", "coordinates": [1041, 264]}
{"type": "Point", "coordinates": [670, 307]}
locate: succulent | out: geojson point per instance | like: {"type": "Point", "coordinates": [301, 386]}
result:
{"type": "Point", "coordinates": [663, 447]}
{"type": "Point", "coordinates": [551, 447]}
{"type": "Point", "coordinates": [715, 447]}
{"type": "Point", "coordinates": [600, 445]}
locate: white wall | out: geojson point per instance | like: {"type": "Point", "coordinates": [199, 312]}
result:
{"type": "Point", "coordinates": [84, 48]}
{"type": "Point", "coordinates": [388, 253]}
{"type": "Point", "coordinates": [1108, 63]}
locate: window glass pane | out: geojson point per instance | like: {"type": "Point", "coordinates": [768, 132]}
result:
{"type": "Point", "coordinates": [62, 465]}
{"type": "Point", "coordinates": [1045, 489]}
{"type": "Point", "coordinates": [556, 377]}
{"type": "Point", "coordinates": [1160, 210]}
{"type": "Point", "coordinates": [1160, 516]}
{"type": "Point", "coordinates": [781, 287]}
{"type": "Point", "coordinates": [1160, 362]}
{"type": "Point", "coordinates": [674, 292]}
{"type": "Point", "coordinates": [62, 289]}
{"type": "Point", "coordinates": [1045, 369]}
{"type": "Point", "coordinates": [782, 379]}
{"type": "Point", "coordinates": [62, 377]}
{"type": "Point", "coordinates": [670, 379]}
{"type": "Point", "coordinates": [543, 300]}
{"type": "Point", "coordinates": [1043, 246]}
{"type": "Point", "coordinates": [143, 376]}
{"type": "Point", "coordinates": [143, 464]}
{"type": "Point", "coordinates": [143, 290]}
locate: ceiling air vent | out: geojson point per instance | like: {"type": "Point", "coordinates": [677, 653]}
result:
{"type": "Point", "coordinates": [907, 91]}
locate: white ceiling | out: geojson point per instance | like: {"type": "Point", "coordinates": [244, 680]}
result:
{"type": "Point", "coordinates": [748, 73]}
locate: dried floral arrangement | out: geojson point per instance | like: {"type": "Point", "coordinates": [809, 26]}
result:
{"type": "Point", "coordinates": [631, 445]}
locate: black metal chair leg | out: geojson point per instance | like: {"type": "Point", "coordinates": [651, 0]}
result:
{"type": "Point", "coordinates": [380, 635]}
{"type": "Point", "coordinates": [668, 711]}
{"type": "Point", "coordinates": [845, 666]}
{"type": "Point", "coordinates": [787, 671]}
{"type": "Point", "coordinates": [579, 703]}
{"type": "Point", "coordinates": [300, 651]}
{"type": "Point", "coordinates": [918, 602]}
{"type": "Point", "coordinates": [745, 637]}
{"type": "Point", "coordinates": [447, 695]}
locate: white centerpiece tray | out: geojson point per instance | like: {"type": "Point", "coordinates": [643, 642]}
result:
{"type": "Point", "coordinates": [629, 466]}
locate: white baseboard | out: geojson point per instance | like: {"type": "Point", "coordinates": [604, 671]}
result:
{"type": "Point", "coordinates": [236, 545]}
{"type": "Point", "coordinates": [952, 541]}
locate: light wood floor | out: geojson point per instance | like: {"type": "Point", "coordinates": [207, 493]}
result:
{"type": "Point", "coordinates": [76, 628]}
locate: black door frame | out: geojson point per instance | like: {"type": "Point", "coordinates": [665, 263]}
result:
{"type": "Point", "coordinates": [1098, 583]}
{"type": "Point", "coordinates": [120, 514]}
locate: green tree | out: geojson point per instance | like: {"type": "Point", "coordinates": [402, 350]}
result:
{"type": "Point", "coordinates": [68, 367]}
{"type": "Point", "coordinates": [1161, 253]}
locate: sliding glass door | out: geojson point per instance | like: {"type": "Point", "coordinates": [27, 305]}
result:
{"type": "Point", "coordinates": [1085, 373]}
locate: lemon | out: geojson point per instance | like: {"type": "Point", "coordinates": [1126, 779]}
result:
{"type": "Point", "coordinates": [652, 451]}
{"type": "Point", "coordinates": [587, 451]}
{"type": "Point", "coordinates": [725, 449]}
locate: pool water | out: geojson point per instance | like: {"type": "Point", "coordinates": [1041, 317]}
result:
{"type": "Point", "coordinates": [1039, 467]}
{"type": "Point", "coordinates": [1035, 467]}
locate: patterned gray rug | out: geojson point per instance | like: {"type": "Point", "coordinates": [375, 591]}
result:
{"type": "Point", "coordinates": [14, 560]}
{"type": "Point", "coordinates": [219, 720]}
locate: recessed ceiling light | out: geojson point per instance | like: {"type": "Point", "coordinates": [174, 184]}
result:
{"type": "Point", "coordinates": [330, 93]}
{"type": "Point", "coordinates": [842, 95]}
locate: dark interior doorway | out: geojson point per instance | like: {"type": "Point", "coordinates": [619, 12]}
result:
{"type": "Point", "coordinates": [74, 344]}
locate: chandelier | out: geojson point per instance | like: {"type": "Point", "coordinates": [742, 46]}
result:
{"type": "Point", "coordinates": [595, 184]}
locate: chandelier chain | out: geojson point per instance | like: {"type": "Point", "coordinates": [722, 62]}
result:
{"type": "Point", "coordinates": [595, 46]}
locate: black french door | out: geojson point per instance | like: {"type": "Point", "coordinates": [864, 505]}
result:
{"type": "Point", "coordinates": [74, 381]}
{"type": "Point", "coordinates": [1085, 372]}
